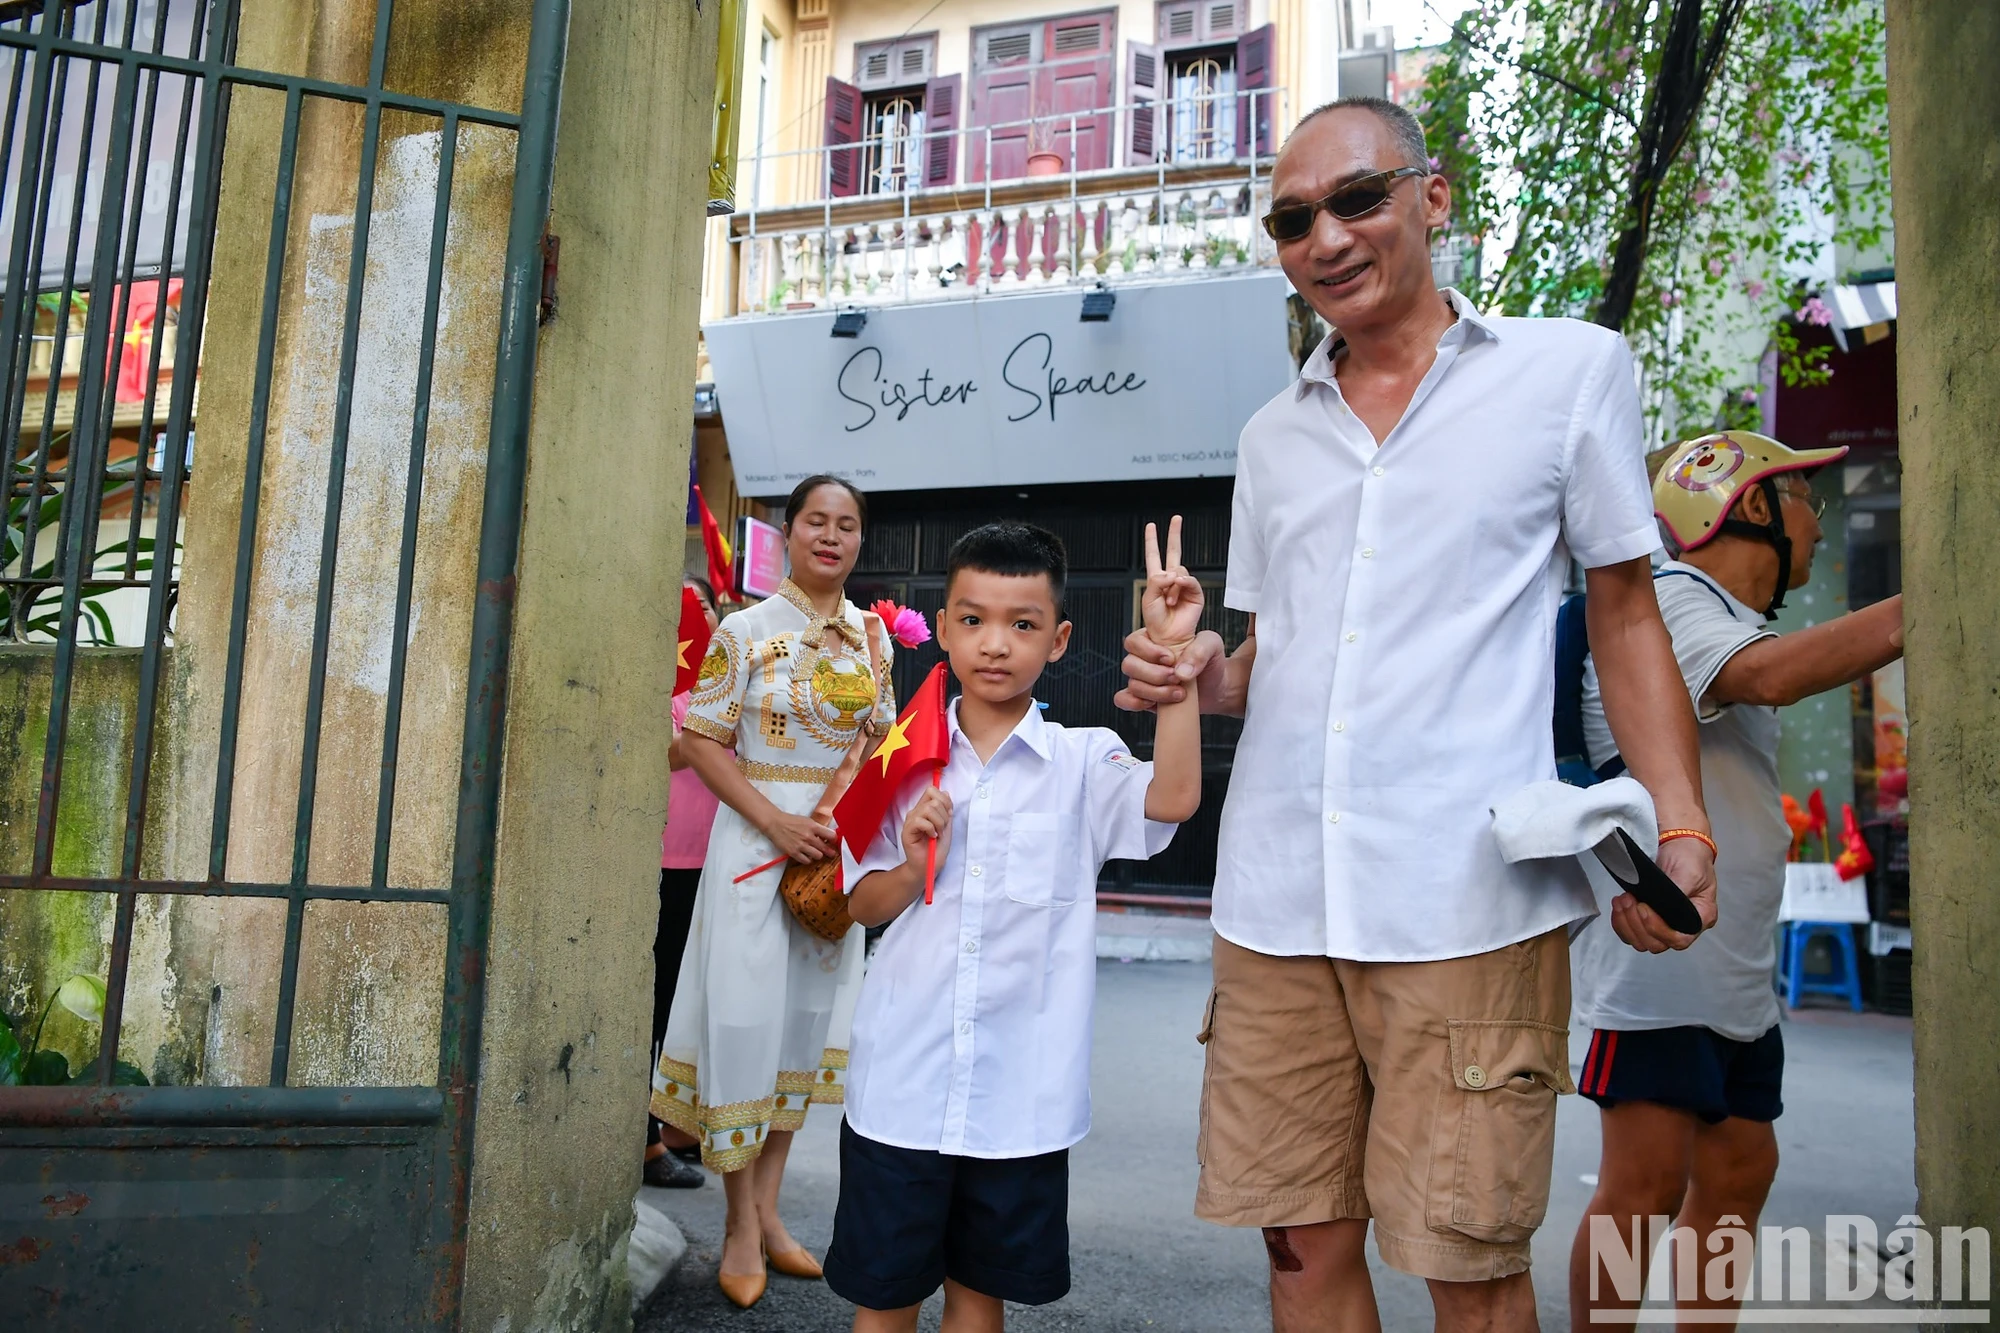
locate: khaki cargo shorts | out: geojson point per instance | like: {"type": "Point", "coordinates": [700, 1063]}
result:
{"type": "Point", "coordinates": [1422, 1095]}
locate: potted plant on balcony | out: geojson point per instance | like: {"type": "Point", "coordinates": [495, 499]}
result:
{"type": "Point", "coordinates": [1043, 159]}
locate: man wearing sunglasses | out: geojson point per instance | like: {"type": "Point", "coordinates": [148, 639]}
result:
{"type": "Point", "coordinates": [1387, 1034]}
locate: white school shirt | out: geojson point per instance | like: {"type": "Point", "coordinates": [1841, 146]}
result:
{"type": "Point", "coordinates": [1722, 982]}
{"type": "Point", "coordinates": [972, 1034]}
{"type": "Point", "coordinates": [1406, 600]}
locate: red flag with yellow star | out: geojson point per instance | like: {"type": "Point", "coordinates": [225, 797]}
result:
{"type": "Point", "coordinates": [918, 743]}
{"type": "Point", "coordinates": [693, 636]}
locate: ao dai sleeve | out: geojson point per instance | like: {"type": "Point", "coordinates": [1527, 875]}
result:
{"type": "Point", "coordinates": [716, 702]}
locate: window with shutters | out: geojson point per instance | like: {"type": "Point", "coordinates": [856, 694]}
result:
{"type": "Point", "coordinates": [1200, 22]}
{"type": "Point", "coordinates": [1200, 103]}
{"type": "Point", "coordinates": [902, 63]}
{"type": "Point", "coordinates": [892, 76]}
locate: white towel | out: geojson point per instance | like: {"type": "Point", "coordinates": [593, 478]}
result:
{"type": "Point", "coordinates": [1550, 819]}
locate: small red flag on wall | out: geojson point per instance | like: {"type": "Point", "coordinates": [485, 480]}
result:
{"type": "Point", "coordinates": [721, 564]}
{"type": "Point", "coordinates": [693, 636]}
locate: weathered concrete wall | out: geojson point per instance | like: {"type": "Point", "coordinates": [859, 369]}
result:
{"type": "Point", "coordinates": [1944, 115]}
{"type": "Point", "coordinates": [46, 938]}
{"type": "Point", "coordinates": [562, 1099]}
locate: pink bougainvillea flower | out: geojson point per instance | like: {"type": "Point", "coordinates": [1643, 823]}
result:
{"type": "Point", "coordinates": [1715, 267]}
{"type": "Point", "coordinates": [1753, 289]}
{"type": "Point", "coordinates": [1815, 311]}
{"type": "Point", "coordinates": [906, 627]}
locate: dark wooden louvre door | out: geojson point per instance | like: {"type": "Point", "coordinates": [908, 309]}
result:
{"type": "Point", "coordinates": [941, 107]}
{"type": "Point", "coordinates": [1256, 111]}
{"type": "Point", "coordinates": [843, 127]}
{"type": "Point", "coordinates": [1142, 102]}
{"type": "Point", "coordinates": [1076, 76]}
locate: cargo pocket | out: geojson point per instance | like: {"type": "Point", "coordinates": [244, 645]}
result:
{"type": "Point", "coordinates": [1505, 1078]}
{"type": "Point", "coordinates": [1202, 1038]}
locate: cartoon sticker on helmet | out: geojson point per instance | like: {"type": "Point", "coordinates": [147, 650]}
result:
{"type": "Point", "coordinates": [1709, 462]}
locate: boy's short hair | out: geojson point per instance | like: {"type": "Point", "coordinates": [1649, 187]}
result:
{"type": "Point", "coordinates": [1012, 549]}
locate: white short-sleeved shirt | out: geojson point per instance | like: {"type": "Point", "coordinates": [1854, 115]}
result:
{"type": "Point", "coordinates": [1406, 598]}
{"type": "Point", "coordinates": [972, 1036]}
{"type": "Point", "coordinates": [1722, 982]}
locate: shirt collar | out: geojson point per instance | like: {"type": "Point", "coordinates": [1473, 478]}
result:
{"type": "Point", "coordinates": [1031, 730]}
{"type": "Point", "coordinates": [796, 595]}
{"type": "Point", "coordinates": [1468, 327]}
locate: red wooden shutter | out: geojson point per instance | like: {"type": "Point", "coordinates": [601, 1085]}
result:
{"type": "Point", "coordinates": [1142, 102]}
{"type": "Point", "coordinates": [843, 126]}
{"type": "Point", "coordinates": [1253, 71]}
{"type": "Point", "coordinates": [1076, 75]}
{"type": "Point", "coordinates": [1003, 94]}
{"type": "Point", "coordinates": [941, 99]}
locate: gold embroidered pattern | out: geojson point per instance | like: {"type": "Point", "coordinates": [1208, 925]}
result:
{"type": "Point", "coordinates": [733, 1135]}
{"type": "Point", "coordinates": [758, 771]}
{"type": "Point", "coordinates": [773, 723]}
{"type": "Point", "coordinates": [832, 695]}
{"type": "Point", "coordinates": [794, 594]}
{"type": "Point", "coordinates": [716, 680]}
{"type": "Point", "coordinates": [832, 1058]}
{"type": "Point", "coordinates": [709, 727]}
{"type": "Point", "coordinates": [775, 650]}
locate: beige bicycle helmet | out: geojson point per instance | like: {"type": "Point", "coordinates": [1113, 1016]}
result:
{"type": "Point", "coordinates": [1698, 482]}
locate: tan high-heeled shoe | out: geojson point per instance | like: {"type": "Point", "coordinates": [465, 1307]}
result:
{"type": "Point", "coordinates": [796, 1263]}
{"type": "Point", "coordinates": [743, 1289]}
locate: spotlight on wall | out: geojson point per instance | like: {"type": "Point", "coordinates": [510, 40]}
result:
{"type": "Point", "coordinates": [849, 323]}
{"type": "Point", "coordinates": [1097, 305]}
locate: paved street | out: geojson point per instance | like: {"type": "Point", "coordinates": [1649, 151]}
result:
{"type": "Point", "coordinates": [1141, 1260]}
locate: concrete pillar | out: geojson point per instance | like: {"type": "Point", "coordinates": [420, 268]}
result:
{"type": "Point", "coordinates": [1944, 115]}
{"type": "Point", "coordinates": [569, 982]}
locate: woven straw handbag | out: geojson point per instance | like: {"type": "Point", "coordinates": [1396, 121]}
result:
{"type": "Point", "coordinates": [813, 893]}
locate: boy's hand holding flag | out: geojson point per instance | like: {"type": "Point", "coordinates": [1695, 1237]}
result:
{"type": "Point", "coordinates": [918, 743]}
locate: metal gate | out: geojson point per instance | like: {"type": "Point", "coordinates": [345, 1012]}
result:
{"type": "Point", "coordinates": [207, 1207]}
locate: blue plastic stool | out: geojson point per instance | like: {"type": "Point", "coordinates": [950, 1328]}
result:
{"type": "Point", "coordinates": [1792, 980]}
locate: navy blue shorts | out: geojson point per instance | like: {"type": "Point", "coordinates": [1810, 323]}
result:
{"type": "Point", "coordinates": [908, 1219]}
{"type": "Point", "coordinates": [1690, 1069]}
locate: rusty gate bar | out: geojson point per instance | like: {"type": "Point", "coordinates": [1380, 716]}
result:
{"type": "Point", "coordinates": [471, 911]}
{"type": "Point", "coordinates": [413, 495]}
{"type": "Point", "coordinates": [329, 551]}
{"type": "Point", "coordinates": [88, 1126]}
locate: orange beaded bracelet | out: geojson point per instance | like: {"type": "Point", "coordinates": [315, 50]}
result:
{"type": "Point", "coordinates": [1667, 835]}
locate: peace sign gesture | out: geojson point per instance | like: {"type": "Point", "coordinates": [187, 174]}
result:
{"type": "Point", "coordinates": [1173, 599]}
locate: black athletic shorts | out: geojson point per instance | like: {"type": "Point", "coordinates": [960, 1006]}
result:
{"type": "Point", "coordinates": [1690, 1069]}
{"type": "Point", "coordinates": [909, 1219]}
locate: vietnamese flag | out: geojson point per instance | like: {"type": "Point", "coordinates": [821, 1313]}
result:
{"type": "Point", "coordinates": [693, 636]}
{"type": "Point", "coordinates": [918, 743]}
{"type": "Point", "coordinates": [142, 318]}
{"type": "Point", "coordinates": [721, 564]}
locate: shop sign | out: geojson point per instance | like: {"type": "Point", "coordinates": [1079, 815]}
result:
{"type": "Point", "coordinates": [1004, 390]}
{"type": "Point", "coordinates": [760, 557]}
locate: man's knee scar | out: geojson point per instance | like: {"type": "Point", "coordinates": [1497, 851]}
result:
{"type": "Point", "coordinates": [1278, 1242]}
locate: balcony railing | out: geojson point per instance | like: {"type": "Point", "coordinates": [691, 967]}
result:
{"type": "Point", "coordinates": [1190, 217]}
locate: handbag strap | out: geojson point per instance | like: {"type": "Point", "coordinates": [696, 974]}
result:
{"type": "Point", "coordinates": [864, 738]}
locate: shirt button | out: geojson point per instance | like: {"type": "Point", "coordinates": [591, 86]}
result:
{"type": "Point", "coordinates": [975, 872]}
{"type": "Point", "coordinates": [984, 792]}
{"type": "Point", "coordinates": [965, 1029]}
{"type": "Point", "coordinates": [1367, 553]}
{"type": "Point", "coordinates": [1351, 636]}
{"type": "Point", "coordinates": [1475, 1077]}
{"type": "Point", "coordinates": [972, 946]}
{"type": "Point", "coordinates": [1380, 471]}
{"type": "Point", "coordinates": [1340, 726]}
{"type": "Point", "coordinates": [1333, 817]}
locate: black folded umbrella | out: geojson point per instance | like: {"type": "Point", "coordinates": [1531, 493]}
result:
{"type": "Point", "coordinates": [1639, 875]}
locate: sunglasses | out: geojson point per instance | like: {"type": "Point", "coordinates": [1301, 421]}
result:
{"type": "Point", "coordinates": [1357, 198]}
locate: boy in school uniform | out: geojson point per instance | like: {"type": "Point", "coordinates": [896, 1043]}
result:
{"type": "Point", "coordinates": [970, 1063]}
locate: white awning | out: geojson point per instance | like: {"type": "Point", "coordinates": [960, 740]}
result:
{"type": "Point", "coordinates": [1858, 307]}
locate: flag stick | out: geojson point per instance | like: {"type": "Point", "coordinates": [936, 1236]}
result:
{"type": "Point", "coordinates": [775, 861]}
{"type": "Point", "coordinates": [930, 856]}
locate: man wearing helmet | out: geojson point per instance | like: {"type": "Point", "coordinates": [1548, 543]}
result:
{"type": "Point", "coordinates": [1686, 1059]}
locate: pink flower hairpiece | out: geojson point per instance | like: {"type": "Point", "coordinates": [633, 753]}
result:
{"type": "Point", "coordinates": [906, 627]}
